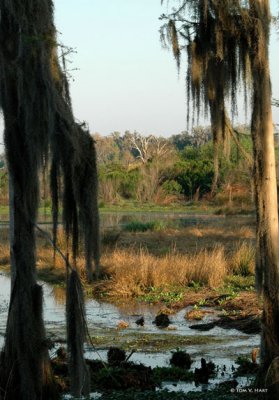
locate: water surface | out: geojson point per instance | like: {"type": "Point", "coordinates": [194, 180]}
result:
{"type": "Point", "coordinates": [219, 345]}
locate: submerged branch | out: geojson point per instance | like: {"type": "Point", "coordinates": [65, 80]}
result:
{"type": "Point", "coordinates": [55, 247]}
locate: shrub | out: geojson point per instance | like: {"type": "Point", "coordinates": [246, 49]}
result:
{"type": "Point", "coordinates": [138, 226]}
{"type": "Point", "coordinates": [192, 175]}
{"type": "Point", "coordinates": [110, 237]}
{"type": "Point", "coordinates": [172, 187]}
{"type": "Point", "coordinates": [181, 359]}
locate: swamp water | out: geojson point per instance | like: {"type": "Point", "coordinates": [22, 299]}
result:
{"type": "Point", "coordinates": [152, 346]}
{"type": "Point", "coordinates": [112, 220]}
{"type": "Point", "coordinates": [118, 219]}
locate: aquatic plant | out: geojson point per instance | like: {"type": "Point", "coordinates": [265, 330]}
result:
{"type": "Point", "coordinates": [138, 226]}
{"type": "Point", "coordinates": [181, 359]}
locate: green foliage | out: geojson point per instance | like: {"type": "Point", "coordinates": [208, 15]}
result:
{"type": "Point", "coordinates": [172, 187]}
{"type": "Point", "coordinates": [129, 183]}
{"type": "Point", "coordinates": [204, 152]}
{"type": "Point", "coordinates": [245, 366]}
{"type": "Point", "coordinates": [194, 171]}
{"type": "Point", "coordinates": [193, 175]}
{"type": "Point", "coordinates": [172, 374]}
{"type": "Point", "coordinates": [246, 143]}
{"type": "Point", "coordinates": [138, 226]}
{"type": "Point", "coordinates": [195, 285]}
{"type": "Point", "coordinates": [220, 393]}
{"type": "Point", "coordinates": [166, 295]}
{"type": "Point", "coordinates": [121, 181]}
{"type": "Point", "coordinates": [181, 140]}
{"type": "Point", "coordinates": [238, 282]}
{"type": "Point", "coordinates": [3, 180]}
{"type": "Point", "coordinates": [188, 170]}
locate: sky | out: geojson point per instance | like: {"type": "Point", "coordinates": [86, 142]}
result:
{"type": "Point", "coordinates": [125, 80]}
{"type": "Point", "coordinates": [122, 78]}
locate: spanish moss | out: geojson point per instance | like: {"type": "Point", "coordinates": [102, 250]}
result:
{"type": "Point", "coordinates": [40, 127]}
{"type": "Point", "coordinates": [228, 43]}
{"type": "Point", "coordinates": [217, 60]}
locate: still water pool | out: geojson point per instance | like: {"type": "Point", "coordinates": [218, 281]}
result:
{"type": "Point", "coordinates": [152, 346]}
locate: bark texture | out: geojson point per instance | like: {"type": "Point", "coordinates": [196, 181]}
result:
{"type": "Point", "coordinates": [267, 259]}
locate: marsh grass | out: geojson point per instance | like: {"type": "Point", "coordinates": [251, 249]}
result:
{"type": "Point", "coordinates": [133, 273]}
{"type": "Point", "coordinates": [157, 266]}
{"type": "Point", "coordinates": [243, 259]}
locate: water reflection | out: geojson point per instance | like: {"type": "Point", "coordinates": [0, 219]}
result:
{"type": "Point", "coordinates": [103, 319]}
{"type": "Point", "coordinates": [176, 220]}
{"type": "Point", "coordinates": [118, 220]}
{"type": "Point", "coordinates": [59, 294]}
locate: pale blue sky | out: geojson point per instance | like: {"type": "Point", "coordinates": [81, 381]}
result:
{"type": "Point", "coordinates": [125, 80]}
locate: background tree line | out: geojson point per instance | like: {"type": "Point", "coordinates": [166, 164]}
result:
{"type": "Point", "coordinates": [151, 169]}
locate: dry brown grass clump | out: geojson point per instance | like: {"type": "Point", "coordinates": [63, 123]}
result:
{"type": "Point", "coordinates": [130, 270]}
{"type": "Point", "coordinates": [4, 255]}
{"type": "Point", "coordinates": [133, 273]}
{"type": "Point", "coordinates": [243, 259]}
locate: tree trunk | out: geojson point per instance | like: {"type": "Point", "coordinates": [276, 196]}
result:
{"type": "Point", "coordinates": [267, 257]}
{"type": "Point", "coordinates": [217, 112]}
{"type": "Point", "coordinates": [24, 366]}
{"type": "Point", "coordinates": [215, 164]}
{"type": "Point", "coordinates": [11, 230]}
{"type": "Point", "coordinates": [38, 118]}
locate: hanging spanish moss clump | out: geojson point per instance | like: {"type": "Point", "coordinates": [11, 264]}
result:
{"type": "Point", "coordinates": [217, 60]}
{"type": "Point", "coordinates": [76, 333]}
{"type": "Point", "coordinates": [40, 127]}
{"type": "Point", "coordinates": [238, 38]}
{"type": "Point", "coordinates": [74, 162]}
{"type": "Point", "coordinates": [79, 196]}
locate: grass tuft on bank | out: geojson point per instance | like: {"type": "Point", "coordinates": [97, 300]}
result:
{"type": "Point", "coordinates": [135, 273]}
{"type": "Point", "coordinates": [160, 267]}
